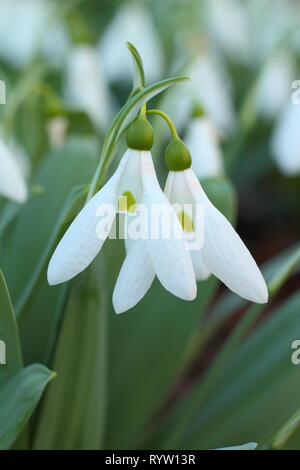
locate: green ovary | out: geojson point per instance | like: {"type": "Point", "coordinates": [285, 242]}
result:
{"type": "Point", "coordinates": [186, 221]}
{"type": "Point", "coordinates": [127, 203]}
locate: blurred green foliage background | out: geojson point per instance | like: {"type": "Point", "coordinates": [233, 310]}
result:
{"type": "Point", "coordinates": [210, 373]}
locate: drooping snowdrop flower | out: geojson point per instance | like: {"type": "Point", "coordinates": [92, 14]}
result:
{"type": "Point", "coordinates": [285, 142]}
{"type": "Point", "coordinates": [223, 253]}
{"type": "Point", "coordinates": [29, 18]}
{"type": "Point", "coordinates": [12, 183]}
{"type": "Point", "coordinates": [86, 86]}
{"type": "Point", "coordinates": [210, 85]}
{"type": "Point", "coordinates": [133, 183]}
{"type": "Point", "coordinates": [227, 20]}
{"type": "Point", "coordinates": [202, 139]}
{"type": "Point", "coordinates": [132, 23]}
{"type": "Point", "coordinates": [273, 86]}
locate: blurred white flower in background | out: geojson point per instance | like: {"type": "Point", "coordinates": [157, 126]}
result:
{"type": "Point", "coordinates": [22, 24]}
{"type": "Point", "coordinates": [133, 23]}
{"type": "Point", "coordinates": [273, 86]}
{"type": "Point", "coordinates": [56, 44]}
{"type": "Point", "coordinates": [202, 140]}
{"type": "Point", "coordinates": [86, 87]}
{"type": "Point", "coordinates": [228, 23]}
{"type": "Point", "coordinates": [12, 182]}
{"type": "Point", "coordinates": [285, 141]}
{"type": "Point", "coordinates": [210, 87]}
{"type": "Point", "coordinates": [30, 27]}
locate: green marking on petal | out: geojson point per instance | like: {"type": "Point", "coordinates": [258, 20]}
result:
{"type": "Point", "coordinates": [127, 203]}
{"type": "Point", "coordinates": [186, 221]}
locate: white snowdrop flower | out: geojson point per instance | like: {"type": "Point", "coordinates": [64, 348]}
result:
{"type": "Point", "coordinates": [285, 141]}
{"type": "Point", "coordinates": [12, 183]}
{"type": "Point", "coordinates": [222, 252]}
{"type": "Point", "coordinates": [86, 87]}
{"type": "Point", "coordinates": [22, 25]}
{"type": "Point", "coordinates": [213, 91]}
{"type": "Point", "coordinates": [132, 23]}
{"type": "Point", "coordinates": [274, 84]}
{"type": "Point", "coordinates": [227, 20]}
{"type": "Point", "coordinates": [56, 44]}
{"type": "Point", "coordinates": [211, 87]}
{"type": "Point", "coordinates": [134, 183]}
{"type": "Point", "coordinates": [202, 139]}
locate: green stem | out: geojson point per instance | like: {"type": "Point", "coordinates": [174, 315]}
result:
{"type": "Point", "coordinates": [168, 120]}
{"type": "Point", "coordinates": [143, 110]}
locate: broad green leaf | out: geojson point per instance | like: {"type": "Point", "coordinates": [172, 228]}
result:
{"type": "Point", "coordinates": [25, 241]}
{"type": "Point", "coordinates": [248, 446]}
{"type": "Point", "coordinates": [148, 348]}
{"type": "Point", "coordinates": [64, 218]}
{"type": "Point", "coordinates": [258, 389]}
{"type": "Point", "coordinates": [284, 434]}
{"type": "Point", "coordinates": [9, 334]}
{"type": "Point", "coordinates": [73, 412]}
{"type": "Point", "coordinates": [7, 214]}
{"type": "Point", "coordinates": [139, 75]}
{"type": "Point", "coordinates": [18, 398]}
{"type": "Point", "coordinates": [202, 390]}
{"type": "Point", "coordinates": [222, 194]}
{"type": "Point", "coordinates": [276, 272]}
{"type": "Point", "coordinates": [29, 241]}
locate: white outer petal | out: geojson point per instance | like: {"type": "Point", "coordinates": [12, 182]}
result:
{"type": "Point", "coordinates": [80, 244]}
{"type": "Point", "coordinates": [86, 85]}
{"type": "Point", "coordinates": [171, 260]}
{"type": "Point", "coordinates": [201, 270]}
{"type": "Point", "coordinates": [12, 183]}
{"type": "Point", "coordinates": [224, 252]}
{"type": "Point", "coordinates": [175, 193]}
{"type": "Point", "coordinates": [278, 70]}
{"type": "Point", "coordinates": [135, 277]}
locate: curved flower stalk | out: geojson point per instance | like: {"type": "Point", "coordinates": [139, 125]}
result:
{"type": "Point", "coordinates": [134, 182]}
{"type": "Point", "coordinates": [202, 139]}
{"type": "Point", "coordinates": [285, 142]}
{"type": "Point", "coordinates": [86, 86]}
{"type": "Point", "coordinates": [12, 183]}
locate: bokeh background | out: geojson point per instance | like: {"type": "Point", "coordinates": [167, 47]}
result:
{"type": "Point", "coordinates": [158, 375]}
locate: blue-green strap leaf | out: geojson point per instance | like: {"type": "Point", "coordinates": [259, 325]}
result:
{"type": "Point", "coordinates": [8, 334]}
{"type": "Point", "coordinates": [18, 399]}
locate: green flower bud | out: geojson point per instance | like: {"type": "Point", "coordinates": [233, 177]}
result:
{"type": "Point", "coordinates": [140, 134]}
{"type": "Point", "coordinates": [197, 111]}
{"type": "Point", "coordinates": [177, 155]}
